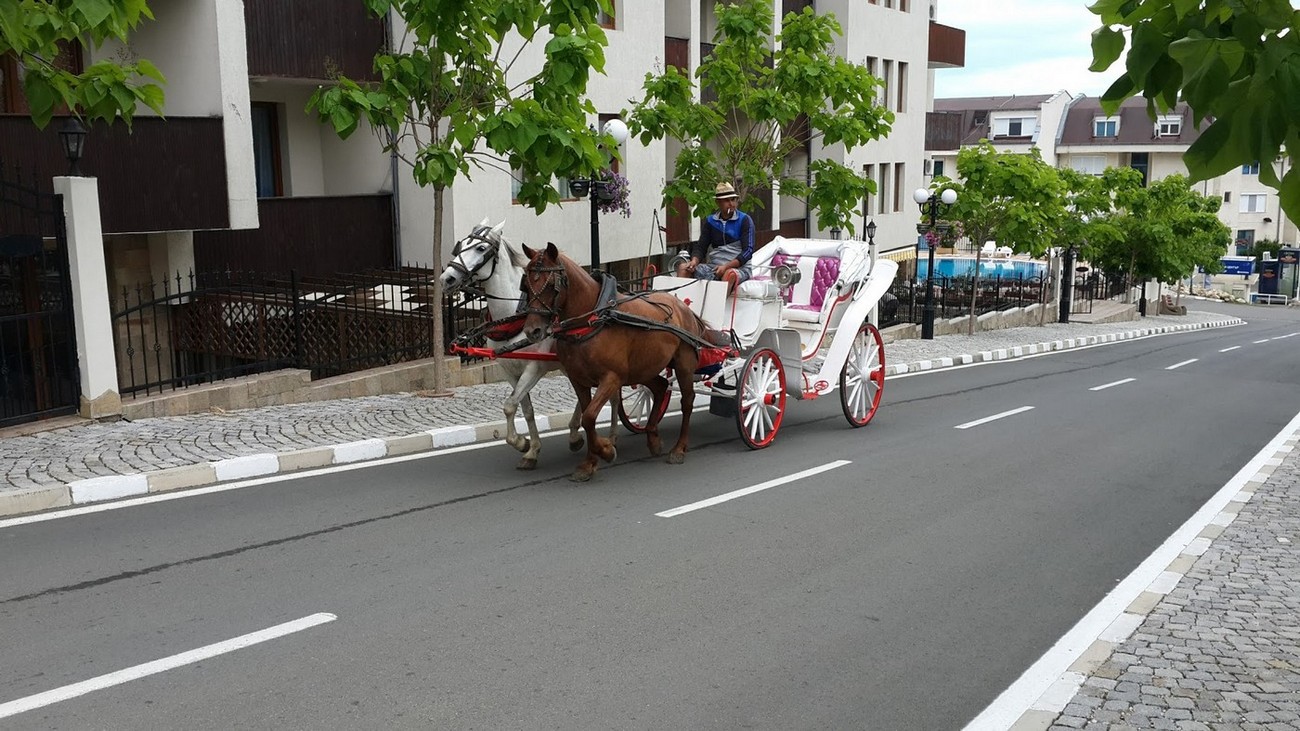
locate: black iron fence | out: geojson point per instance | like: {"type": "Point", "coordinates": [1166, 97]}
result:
{"type": "Point", "coordinates": [193, 329]}
{"type": "Point", "coordinates": [953, 295]}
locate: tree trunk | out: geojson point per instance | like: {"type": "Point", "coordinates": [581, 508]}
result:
{"type": "Point", "coordinates": [440, 356]}
{"type": "Point", "coordinates": [974, 293]}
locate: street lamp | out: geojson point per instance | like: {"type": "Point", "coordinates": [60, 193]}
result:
{"type": "Point", "coordinates": [871, 253]}
{"type": "Point", "coordinates": [835, 232]}
{"type": "Point", "coordinates": [591, 187]}
{"type": "Point", "coordinates": [73, 137]}
{"type": "Point", "coordinates": [929, 202]}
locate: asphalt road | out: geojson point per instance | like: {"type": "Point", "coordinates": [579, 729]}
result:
{"type": "Point", "coordinates": [902, 590]}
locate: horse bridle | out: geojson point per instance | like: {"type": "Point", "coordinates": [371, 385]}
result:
{"type": "Point", "coordinates": [557, 280]}
{"type": "Point", "coordinates": [476, 236]}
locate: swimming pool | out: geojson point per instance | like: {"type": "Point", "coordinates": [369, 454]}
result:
{"type": "Point", "coordinates": [948, 266]}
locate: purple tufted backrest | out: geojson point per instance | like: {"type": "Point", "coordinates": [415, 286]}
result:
{"type": "Point", "coordinates": [824, 276]}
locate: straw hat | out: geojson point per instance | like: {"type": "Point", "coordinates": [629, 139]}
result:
{"type": "Point", "coordinates": [724, 191]}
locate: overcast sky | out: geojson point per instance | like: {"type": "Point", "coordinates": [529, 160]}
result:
{"type": "Point", "coordinates": [1022, 47]}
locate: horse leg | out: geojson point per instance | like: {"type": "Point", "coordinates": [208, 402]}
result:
{"type": "Point", "coordinates": [685, 364]}
{"type": "Point", "coordinates": [659, 388]}
{"type": "Point", "coordinates": [511, 405]}
{"type": "Point", "coordinates": [575, 437]}
{"type": "Point", "coordinates": [529, 460]}
{"type": "Point", "coordinates": [598, 447]}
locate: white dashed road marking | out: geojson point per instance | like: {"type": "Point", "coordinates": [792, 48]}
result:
{"type": "Point", "coordinates": [1235, 347]}
{"type": "Point", "coordinates": [1180, 365]}
{"type": "Point", "coordinates": [751, 490]}
{"type": "Point", "coordinates": [67, 692]}
{"type": "Point", "coordinates": [1105, 386]}
{"type": "Point", "coordinates": [994, 417]}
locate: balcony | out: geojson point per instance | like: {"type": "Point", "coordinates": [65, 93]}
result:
{"type": "Point", "coordinates": [318, 236]}
{"type": "Point", "coordinates": [166, 175]}
{"type": "Point", "coordinates": [312, 39]}
{"type": "Point", "coordinates": [947, 47]}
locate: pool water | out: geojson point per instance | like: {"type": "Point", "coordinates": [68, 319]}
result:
{"type": "Point", "coordinates": [947, 266]}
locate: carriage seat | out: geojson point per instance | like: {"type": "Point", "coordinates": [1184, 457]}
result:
{"type": "Point", "coordinates": [806, 300]}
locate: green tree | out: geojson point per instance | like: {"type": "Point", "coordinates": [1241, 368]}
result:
{"type": "Point", "coordinates": [448, 103]}
{"type": "Point", "coordinates": [38, 32]}
{"type": "Point", "coordinates": [1235, 62]}
{"type": "Point", "coordinates": [1165, 230]}
{"type": "Point", "coordinates": [761, 105]}
{"type": "Point", "coordinates": [1013, 198]}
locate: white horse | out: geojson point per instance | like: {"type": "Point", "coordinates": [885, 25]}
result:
{"type": "Point", "coordinates": [486, 259]}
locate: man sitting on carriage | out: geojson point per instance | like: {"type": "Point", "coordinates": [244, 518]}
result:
{"type": "Point", "coordinates": [726, 243]}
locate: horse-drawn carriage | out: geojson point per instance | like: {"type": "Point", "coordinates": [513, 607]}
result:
{"type": "Point", "coordinates": [798, 328]}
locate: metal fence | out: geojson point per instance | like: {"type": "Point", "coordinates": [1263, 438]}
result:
{"type": "Point", "coordinates": [953, 295]}
{"type": "Point", "coordinates": [194, 329]}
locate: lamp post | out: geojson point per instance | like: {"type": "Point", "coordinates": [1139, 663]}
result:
{"type": "Point", "coordinates": [590, 187]}
{"type": "Point", "coordinates": [871, 253]}
{"type": "Point", "coordinates": [835, 232]}
{"type": "Point", "coordinates": [929, 202]}
{"type": "Point", "coordinates": [73, 137]}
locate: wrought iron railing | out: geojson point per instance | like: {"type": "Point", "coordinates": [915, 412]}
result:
{"type": "Point", "coordinates": [194, 329]}
{"type": "Point", "coordinates": [952, 295]}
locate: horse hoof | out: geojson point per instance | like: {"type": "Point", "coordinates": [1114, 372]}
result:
{"type": "Point", "coordinates": [610, 454]}
{"type": "Point", "coordinates": [676, 457]}
{"type": "Point", "coordinates": [581, 476]}
{"type": "Point", "coordinates": [577, 446]}
{"type": "Point", "coordinates": [526, 464]}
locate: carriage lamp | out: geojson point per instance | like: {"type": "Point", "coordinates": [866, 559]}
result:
{"type": "Point", "coordinates": [615, 129]}
{"type": "Point", "coordinates": [785, 276]}
{"type": "Point", "coordinates": [73, 137]}
{"type": "Point", "coordinates": [929, 201]}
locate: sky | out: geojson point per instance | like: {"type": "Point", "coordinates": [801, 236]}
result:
{"type": "Point", "coordinates": [1022, 47]}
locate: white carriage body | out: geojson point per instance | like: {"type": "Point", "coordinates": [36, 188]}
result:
{"type": "Point", "coordinates": [838, 287]}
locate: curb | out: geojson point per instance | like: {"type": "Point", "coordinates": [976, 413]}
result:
{"type": "Point", "coordinates": [113, 487]}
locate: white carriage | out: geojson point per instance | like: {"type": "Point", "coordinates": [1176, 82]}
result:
{"type": "Point", "coordinates": [799, 327]}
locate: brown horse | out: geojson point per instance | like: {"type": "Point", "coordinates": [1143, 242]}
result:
{"type": "Point", "coordinates": [603, 352]}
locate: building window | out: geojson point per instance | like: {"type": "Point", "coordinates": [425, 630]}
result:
{"type": "Point", "coordinates": [899, 183]}
{"type": "Point", "coordinates": [605, 19]}
{"type": "Point", "coordinates": [886, 75]}
{"type": "Point", "coordinates": [938, 168]}
{"type": "Point", "coordinates": [1141, 162]}
{"type": "Point", "coordinates": [1245, 239]}
{"type": "Point", "coordinates": [902, 87]}
{"type": "Point", "coordinates": [1250, 168]}
{"type": "Point", "coordinates": [1227, 196]}
{"type": "Point", "coordinates": [1169, 126]}
{"type": "Point", "coordinates": [517, 182]}
{"type": "Point", "coordinates": [882, 188]}
{"type": "Point", "coordinates": [266, 149]}
{"type": "Point", "coordinates": [1088, 164]}
{"type": "Point", "coordinates": [869, 172]}
{"type": "Point", "coordinates": [1105, 127]}
{"type": "Point", "coordinates": [1253, 203]}
{"type": "Point", "coordinates": [1013, 126]}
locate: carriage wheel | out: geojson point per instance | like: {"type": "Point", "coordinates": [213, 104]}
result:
{"type": "Point", "coordinates": [760, 398]}
{"type": "Point", "coordinates": [862, 379]}
{"type": "Point", "coordinates": [635, 403]}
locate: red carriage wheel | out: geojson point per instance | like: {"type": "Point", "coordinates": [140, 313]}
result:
{"type": "Point", "coordinates": [862, 379]}
{"type": "Point", "coordinates": [760, 398]}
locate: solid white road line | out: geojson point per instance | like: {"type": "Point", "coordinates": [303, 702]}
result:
{"type": "Point", "coordinates": [1180, 365]}
{"type": "Point", "coordinates": [1008, 707]}
{"type": "Point", "coordinates": [1105, 386]}
{"type": "Point", "coordinates": [68, 692]}
{"type": "Point", "coordinates": [1235, 347]}
{"type": "Point", "coordinates": [751, 490]}
{"type": "Point", "coordinates": [1257, 342]}
{"type": "Point", "coordinates": [994, 417]}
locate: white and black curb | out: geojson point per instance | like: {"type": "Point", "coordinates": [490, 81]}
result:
{"type": "Point", "coordinates": [113, 487]}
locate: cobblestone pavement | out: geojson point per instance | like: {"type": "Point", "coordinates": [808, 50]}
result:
{"type": "Point", "coordinates": [1220, 649]}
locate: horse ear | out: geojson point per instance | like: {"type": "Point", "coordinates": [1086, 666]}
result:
{"type": "Point", "coordinates": [552, 253]}
{"type": "Point", "coordinates": [483, 222]}
{"type": "Point", "coordinates": [499, 227]}
{"type": "Point", "coordinates": [528, 252]}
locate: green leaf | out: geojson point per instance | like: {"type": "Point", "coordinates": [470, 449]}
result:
{"type": "Point", "coordinates": [1107, 45]}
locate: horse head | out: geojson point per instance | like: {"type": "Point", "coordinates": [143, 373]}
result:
{"type": "Point", "coordinates": [474, 258]}
{"type": "Point", "coordinates": [546, 288]}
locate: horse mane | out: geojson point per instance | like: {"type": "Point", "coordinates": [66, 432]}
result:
{"type": "Point", "coordinates": [516, 253]}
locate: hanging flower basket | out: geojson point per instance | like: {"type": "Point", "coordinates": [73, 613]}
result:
{"type": "Point", "coordinates": [613, 192]}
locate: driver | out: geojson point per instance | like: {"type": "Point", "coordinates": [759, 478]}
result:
{"type": "Point", "coordinates": [726, 243]}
